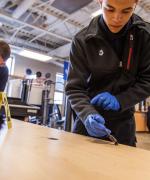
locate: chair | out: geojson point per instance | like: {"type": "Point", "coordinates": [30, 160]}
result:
{"type": "Point", "coordinates": [55, 118]}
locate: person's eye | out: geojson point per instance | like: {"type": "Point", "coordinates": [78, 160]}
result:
{"type": "Point", "coordinates": [126, 12]}
{"type": "Point", "coordinates": [110, 10]}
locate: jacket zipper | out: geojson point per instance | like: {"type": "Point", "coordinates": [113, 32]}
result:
{"type": "Point", "coordinates": [130, 52]}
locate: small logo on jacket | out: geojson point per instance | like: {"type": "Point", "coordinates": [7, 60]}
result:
{"type": "Point", "coordinates": [101, 52]}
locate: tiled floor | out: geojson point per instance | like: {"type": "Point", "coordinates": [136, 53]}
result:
{"type": "Point", "coordinates": [143, 140]}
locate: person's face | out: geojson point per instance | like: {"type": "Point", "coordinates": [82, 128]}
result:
{"type": "Point", "coordinates": [116, 13]}
{"type": "Point", "coordinates": [1, 60]}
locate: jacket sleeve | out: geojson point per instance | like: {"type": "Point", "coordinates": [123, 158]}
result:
{"type": "Point", "coordinates": [3, 77]}
{"type": "Point", "coordinates": [141, 89]}
{"type": "Point", "coordinates": [76, 86]}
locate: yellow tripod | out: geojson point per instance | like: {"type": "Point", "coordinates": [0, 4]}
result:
{"type": "Point", "coordinates": [3, 101]}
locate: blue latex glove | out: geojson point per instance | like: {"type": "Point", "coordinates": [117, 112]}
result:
{"type": "Point", "coordinates": [95, 127]}
{"type": "Point", "coordinates": [107, 101]}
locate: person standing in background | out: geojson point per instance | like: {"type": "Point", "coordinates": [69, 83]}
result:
{"type": "Point", "coordinates": [4, 55]}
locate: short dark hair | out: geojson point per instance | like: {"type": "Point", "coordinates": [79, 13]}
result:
{"type": "Point", "coordinates": [4, 50]}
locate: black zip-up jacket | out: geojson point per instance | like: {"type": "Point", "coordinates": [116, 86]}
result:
{"type": "Point", "coordinates": [95, 68]}
{"type": "Point", "coordinates": [3, 81]}
{"type": "Point", "coordinates": [3, 77]}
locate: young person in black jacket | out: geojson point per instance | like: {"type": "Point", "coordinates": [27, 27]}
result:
{"type": "Point", "coordinates": [4, 55]}
{"type": "Point", "coordinates": [110, 72]}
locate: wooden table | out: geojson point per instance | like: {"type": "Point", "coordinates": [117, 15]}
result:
{"type": "Point", "coordinates": [29, 153]}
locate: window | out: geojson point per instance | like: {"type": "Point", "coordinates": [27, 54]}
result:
{"type": "Point", "coordinates": [59, 89]}
{"type": "Point", "coordinates": [59, 86]}
{"type": "Point", "coordinates": [10, 63]}
{"type": "Point", "coordinates": [58, 97]}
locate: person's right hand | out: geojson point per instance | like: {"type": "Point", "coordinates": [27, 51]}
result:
{"type": "Point", "coordinates": [95, 127]}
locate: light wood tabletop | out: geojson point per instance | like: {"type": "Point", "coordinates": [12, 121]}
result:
{"type": "Point", "coordinates": [33, 152]}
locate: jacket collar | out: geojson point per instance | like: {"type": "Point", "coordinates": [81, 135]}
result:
{"type": "Point", "coordinates": [93, 28]}
{"type": "Point", "coordinates": [94, 31]}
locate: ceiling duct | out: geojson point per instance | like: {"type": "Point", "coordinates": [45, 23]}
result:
{"type": "Point", "coordinates": [62, 51]}
{"type": "Point", "coordinates": [13, 20]}
{"type": "Point", "coordinates": [22, 8]}
{"type": "Point", "coordinates": [25, 44]}
{"type": "Point", "coordinates": [70, 6]}
{"type": "Point", "coordinates": [3, 3]}
{"type": "Point", "coordinates": [145, 5]}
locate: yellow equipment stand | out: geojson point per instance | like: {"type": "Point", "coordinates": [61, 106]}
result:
{"type": "Point", "coordinates": [3, 101]}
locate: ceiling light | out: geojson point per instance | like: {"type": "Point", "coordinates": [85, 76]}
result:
{"type": "Point", "coordinates": [34, 55]}
{"type": "Point", "coordinates": [96, 13]}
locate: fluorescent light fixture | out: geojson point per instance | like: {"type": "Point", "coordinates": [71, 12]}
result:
{"type": "Point", "coordinates": [34, 55]}
{"type": "Point", "coordinates": [96, 13]}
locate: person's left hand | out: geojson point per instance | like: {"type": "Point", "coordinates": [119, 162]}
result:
{"type": "Point", "coordinates": [106, 101]}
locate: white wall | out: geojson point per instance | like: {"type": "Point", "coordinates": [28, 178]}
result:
{"type": "Point", "coordinates": [22, 63]}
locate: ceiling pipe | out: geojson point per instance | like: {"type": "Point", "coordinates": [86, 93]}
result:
{"type": "Point", "coordinates": [145, 5]}
{"type": "Point", "coordinates": [22, 8]}
{"type": "Point", "coordinates": [63, 51]}
{"type": "Point", "coordinates": [35, 27]}
{"type": "Point", "coordinates": [3, 3]}
{"type": "Point", "coordinates": [24, 44]}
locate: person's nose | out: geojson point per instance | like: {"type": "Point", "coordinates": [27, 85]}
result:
{"type": "Point", "coordinates": [117, 17]}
